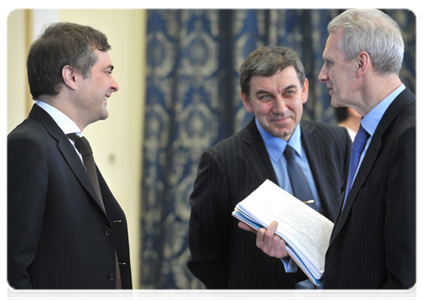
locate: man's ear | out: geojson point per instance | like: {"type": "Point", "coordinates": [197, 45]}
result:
{"type": "Point", "coordinates": [69, 76]}
{"type": "Point", "coordinates": [304, 93]}
{"type": "Point", "coordinates": [363, 63]}
{"type": "Point", "coordinates": [247, 102]}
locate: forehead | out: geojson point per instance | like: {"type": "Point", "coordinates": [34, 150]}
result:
{"type": "Point", "coordinates": [281, 79]}
{"type": "Point", "coordinates": [103, 59]}
{"type": "Point", "coordinates": [332, 45]}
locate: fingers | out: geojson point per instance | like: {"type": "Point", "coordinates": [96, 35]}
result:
{"type": "Point", "coordinates": [264, 237]}
{"type": "Point", "coordinates": [280, 251]}
{"type": "Point", "coordinates": [244, 226]}
{"type": "Point", "coordinates": [270, 243]}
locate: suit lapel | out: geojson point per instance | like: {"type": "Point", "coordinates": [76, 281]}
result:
{"type": "Point", "coordinates": [256, 153]}
{"type": "Point", "coordinates": [66, 149]}
{"type": "Point", "coordinates": [316, 161]}
{"type": "Point", "coordinates": [320, 162]}
{"type": "Point", "coordinates": [404, 99]}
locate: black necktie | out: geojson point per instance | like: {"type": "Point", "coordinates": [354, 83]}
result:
{"type": "Point", "coordinates": [299, 183]}
{"type": "Point", "coordinates": [83, 146]}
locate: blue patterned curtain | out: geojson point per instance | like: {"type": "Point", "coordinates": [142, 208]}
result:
{"type": "Point", "coordinates": [193, 102]}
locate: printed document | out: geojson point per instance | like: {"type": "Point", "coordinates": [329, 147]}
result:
{"type": "Point", "coordinates": [305, 231]}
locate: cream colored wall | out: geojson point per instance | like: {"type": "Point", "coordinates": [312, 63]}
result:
{"type": "Point", "coordinates": [117, 141]}
{"type": "Point", "coordinates": [17, 96]}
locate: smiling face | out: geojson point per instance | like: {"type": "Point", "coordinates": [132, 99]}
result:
{"type": "Point", "coordinates": [94, 91]}
{"type": "Point", "coordinates": [277, 101]}
{"type": "Point", "coordinates": [338, 74]}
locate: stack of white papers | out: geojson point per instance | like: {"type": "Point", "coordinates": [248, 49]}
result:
{"type": "Point", "coordinates": [305, 231]}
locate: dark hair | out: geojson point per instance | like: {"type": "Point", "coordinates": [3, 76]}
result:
{"type": "Point", "coordinates": [62, 44]}
{"type": "Point", "coordinates": [341, 113]}
{"type": "Point", "coordinates": [266, 61]}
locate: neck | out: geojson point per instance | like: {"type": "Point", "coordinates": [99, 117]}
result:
{"type": "Point", "coordinates": [64, 105]}
{"type": "Point", "coordinates": [376, 90]}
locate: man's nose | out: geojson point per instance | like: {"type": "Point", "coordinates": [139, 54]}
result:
{"type": "Point", "coordinates": [280, 105]}
{"type": "Point", "coordinates": [114, 86]}
{"type": "Point", "coordinates": [323, 76]}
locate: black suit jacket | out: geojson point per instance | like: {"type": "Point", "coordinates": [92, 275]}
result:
{"type": "Point", "coordinates": [58, 234]}
{"type": "Point", "coordinates": [224, 256]}
{"type": "Point", "coordinates": [373, 244]}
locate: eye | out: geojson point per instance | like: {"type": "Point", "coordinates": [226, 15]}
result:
{"type": "Point", "coordinates": [266, 98]}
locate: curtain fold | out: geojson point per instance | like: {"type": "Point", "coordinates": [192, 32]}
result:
{"type": "Point", "coordinates": [193, 102]}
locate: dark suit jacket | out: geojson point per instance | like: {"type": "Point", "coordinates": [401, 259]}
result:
{"type": "Point", "coordinates": [373, 244]}
{"type": "Point", "coordinates": [224, 256]}
{"type": "Point", "coordinates": [58, 234]}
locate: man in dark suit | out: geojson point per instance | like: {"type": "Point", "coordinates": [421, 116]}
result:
{"type": "Point", "coordinates": [274, 87]}
{"type": "Point", "coordinates": [62, 234]}
{"type": "Point", "coordinates": [373, 243]}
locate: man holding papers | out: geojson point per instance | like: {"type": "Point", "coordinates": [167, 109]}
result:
{"type": "Point", "coordinates": [373, 242]}
{"type": "Point", "coordinates": [274, 146]}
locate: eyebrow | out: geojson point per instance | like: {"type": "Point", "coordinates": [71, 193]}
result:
{"type": "Point", "coordinates": [289, 87]}
{"type": "Point", "coordinates": [259, 92]}
{"type": "Point", "coordinates": [292, 86]}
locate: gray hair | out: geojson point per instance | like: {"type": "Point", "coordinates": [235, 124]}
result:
{"type": "Point", "coordinates": [374, 32]}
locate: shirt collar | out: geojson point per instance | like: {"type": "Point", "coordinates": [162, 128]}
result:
{"type": "Point", "coordinates": [372, 119]}
{"type": "Point", "coordinates": [63, 121]}
{"type": "Point", "coordinates": [276, 146]}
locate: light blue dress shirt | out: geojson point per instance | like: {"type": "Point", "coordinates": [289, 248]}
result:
{"type": "Point", "coordinates": [275, 147]}
{"type": "Point", "coordinates": [372, 119]}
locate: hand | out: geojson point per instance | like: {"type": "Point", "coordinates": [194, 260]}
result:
{"type": "Point", "coordinates": [267, 241]}
{"type": "Point", "coordinates": [244, 226]}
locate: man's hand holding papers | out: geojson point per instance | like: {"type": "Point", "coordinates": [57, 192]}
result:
{"type": "Point", "coordinates": [303, 233]}
{"type": "Point", "coordinates": [270, 243]}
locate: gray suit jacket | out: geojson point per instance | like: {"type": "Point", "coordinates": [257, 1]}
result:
{"type": "Point", "coordinates": [224, 256]}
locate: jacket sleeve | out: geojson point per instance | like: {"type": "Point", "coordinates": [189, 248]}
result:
{"type": "Point", "coordinates": [26, 201]}
{"type": "Point", "coordinates": [209, 223]}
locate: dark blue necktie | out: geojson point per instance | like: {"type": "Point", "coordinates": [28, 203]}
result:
{"type": "Point", "coordinates": [299, 183]}
{"type": "Point", "coordinates": [356, 150]}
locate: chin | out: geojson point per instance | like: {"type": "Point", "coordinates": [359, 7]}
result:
{"type": "Point", "coordinates": [104, 114]}
{"type": "Point", "coordinates": [334, 103]}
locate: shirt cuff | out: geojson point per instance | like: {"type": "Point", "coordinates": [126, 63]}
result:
{"type": "Point", "coordinates": [289, 264]}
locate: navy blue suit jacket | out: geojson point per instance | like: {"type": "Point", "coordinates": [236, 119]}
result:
{"type": "Point", "coordinates": [373, 243]}
{"type": "Point", "coordinates": [224, 256]}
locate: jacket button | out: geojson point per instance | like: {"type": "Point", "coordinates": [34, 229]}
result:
{"type": "Point", "coordinates": [108, 232]}
{"type": "Point", "coordinates": [112, 276]}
